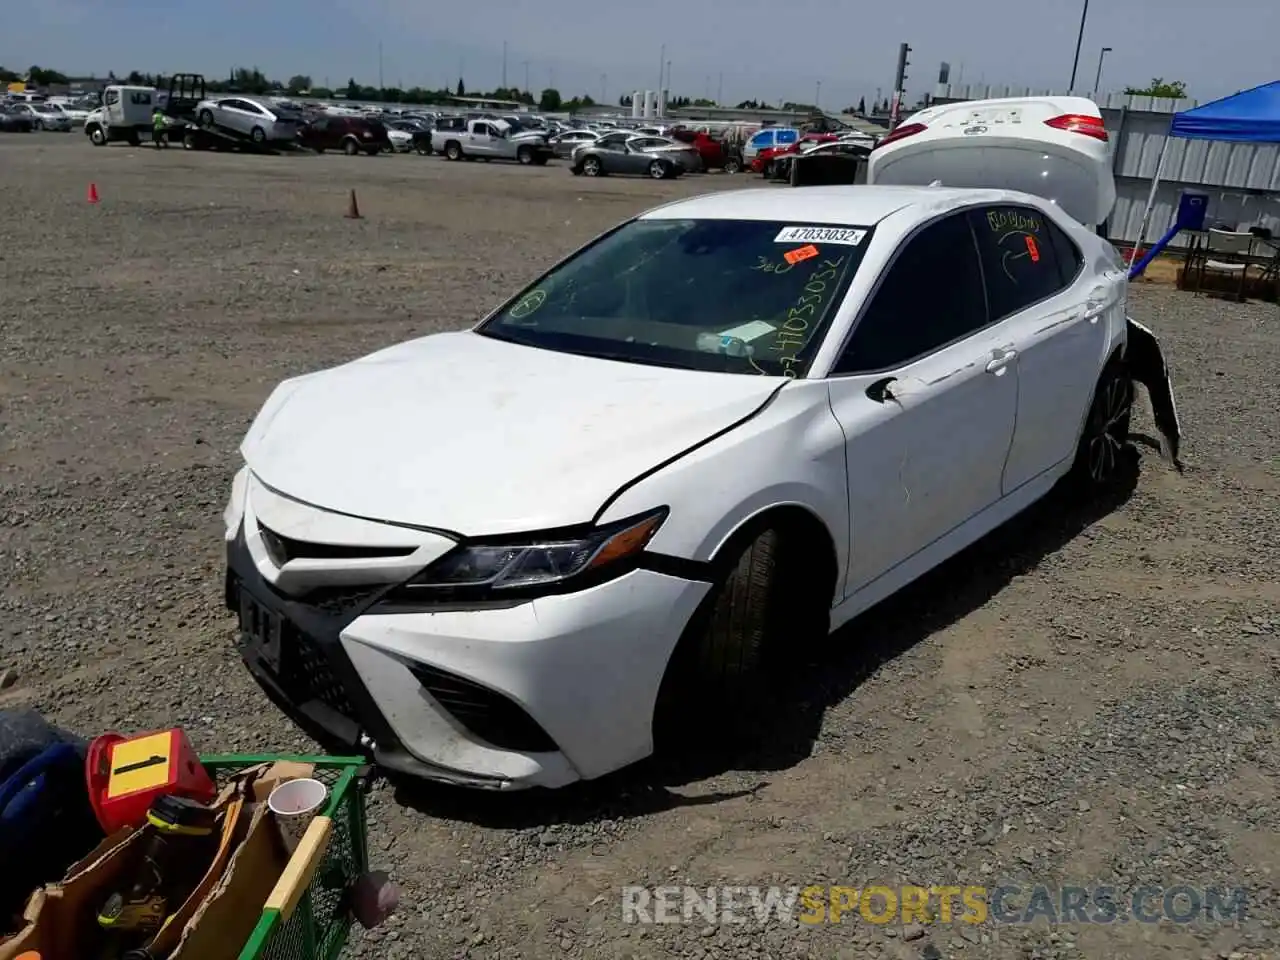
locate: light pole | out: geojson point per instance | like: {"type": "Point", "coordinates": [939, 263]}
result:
{"type": "Point", "coordinates": [1075, 64]}
{"type": "Point", "coordinates": [504, 65]}
{"type": "Point", "coordinates": [817, 94]}
{"type": "Point", "coordinates": [526, 76]}
{"type": "Point", "coordinates": [1097, 81]}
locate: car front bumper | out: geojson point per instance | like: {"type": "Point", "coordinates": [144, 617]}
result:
{"type": "Point", "coordinates": [536, 693]}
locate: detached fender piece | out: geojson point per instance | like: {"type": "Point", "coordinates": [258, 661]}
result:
{"type": "Point", "coordinates": [1147, 366]}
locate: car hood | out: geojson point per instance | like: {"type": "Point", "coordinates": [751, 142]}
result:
{"type": "Point", "coordinates": [465, 433]}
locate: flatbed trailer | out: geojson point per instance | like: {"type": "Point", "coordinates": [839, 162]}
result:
{"type": "Point", "coordinates": [186, 91]}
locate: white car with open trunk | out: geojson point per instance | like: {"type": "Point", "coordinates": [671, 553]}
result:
{"type": "Point", "coordinates": [516, 555]}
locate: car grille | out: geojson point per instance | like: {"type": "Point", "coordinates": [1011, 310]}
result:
{"type": "Point", "coordinates": [282, 549]}
{"type": "Point", "coordinates": [487, 714]}
{"type": "Point", "coordinates": [308, 676]}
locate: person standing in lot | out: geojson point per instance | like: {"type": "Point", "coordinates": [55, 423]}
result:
{"type": "Point", "coordinates": [159, 128]}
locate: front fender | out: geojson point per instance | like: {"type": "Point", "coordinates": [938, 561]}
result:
{"type": "Point", "coordinates": [1147, 365]}
{"type": "Point", "coordinates": [790, 454]}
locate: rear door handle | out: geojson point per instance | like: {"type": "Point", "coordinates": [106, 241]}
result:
{"type": "Point", "coordinates": [1000, 359]}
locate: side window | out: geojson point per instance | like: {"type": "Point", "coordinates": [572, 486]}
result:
{"type": "Point", "coordinates": [1070, 259]}
{"type": "Point", "coordinates": [112, 97]}
{"type": "Point", "coordinates": [787, 137]}
{"type": "Point", "coordinates": [1018, 257]}
{"type": "Point", "coordinates": [762, 140]}
{"type": "Point", "coordinates": [930, 296]}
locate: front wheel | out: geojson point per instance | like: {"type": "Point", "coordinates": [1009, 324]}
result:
{"type": "Point", "coordinates": [206, 119]}
{"type": "Point", "coordinates": [591, 167]}
{"type": "Point", "coordinates": [732, 165]}
{"type": "Point", "coordinates": [525, 156]}
{"type": "Point", "coordinates": [1100, 459]}
{"type": "Point", "coordinates": [658, 170]}
{"type": "Point", "coordinates": [350, 148]}
{"type": "Point", "coordinates": [98, 137]}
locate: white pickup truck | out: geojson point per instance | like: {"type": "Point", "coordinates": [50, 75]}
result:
{"type": "Point", "coordinates": [461, 139]}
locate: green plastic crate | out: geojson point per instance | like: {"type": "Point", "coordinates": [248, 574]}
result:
{"type": "Point", "coordinates": [318, 927]}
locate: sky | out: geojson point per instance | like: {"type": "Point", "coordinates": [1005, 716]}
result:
{"type": "Point", "coordinates": [831, 50]}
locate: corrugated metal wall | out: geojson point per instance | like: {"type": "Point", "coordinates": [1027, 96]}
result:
{"type": "Point", "coordinates": [1241, 179]}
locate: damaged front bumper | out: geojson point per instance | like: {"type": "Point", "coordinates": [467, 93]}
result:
{"type": "Point", "coordinates": [1147, 365]}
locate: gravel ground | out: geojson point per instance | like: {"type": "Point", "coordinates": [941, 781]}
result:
{"type": "Point", "coordinates": [1077, 699]}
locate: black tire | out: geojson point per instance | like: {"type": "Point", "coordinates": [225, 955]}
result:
{"type": "Point", "coordinates": [591, 167]}
{"type": "Point", "coordinates": [319, 150]}
{"type": "Point", "coordinates": [1104, 453]}
{"type": "Point", "coordinates": [717, 665]}
{"type": "Point", "coordinates": [525, 156]}
{"type": "Point", "coordinates": [37, 125]}
{"type": "Point", "coordinates": [424, 149]}
{"type": "Point", "coordinates": [350, 146]}
{"type": "Point", "coordinates": [98, 137]}
{"type": "Point", "coordinates": [189, 142]}
{"type": "Point", "coordinates": [206, 119]}
{"type": "Point", "coordinates": [659, 170]}
{"type": "Point", "coordinates": [732, 165]}
{"type": "Point", "coordinates": [258, 136]}
{"type": "Point", "coordinates": [453, 150]}
{"type": "Point", "coordinates": [541, 160]}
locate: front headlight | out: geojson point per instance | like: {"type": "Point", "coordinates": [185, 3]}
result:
{"type": "Point", "coordinates": [512, 567]}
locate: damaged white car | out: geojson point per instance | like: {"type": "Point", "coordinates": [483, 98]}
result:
{"type": "Point", "coordinates": [505, 557]}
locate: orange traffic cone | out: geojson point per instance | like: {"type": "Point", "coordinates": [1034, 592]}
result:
{"type": "Point", "coordinates": [93, 193]}
{"type": "Point", "coordinates": [353, 208]}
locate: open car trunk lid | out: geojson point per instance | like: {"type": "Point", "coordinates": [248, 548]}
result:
{"type": "Point", "coordinates": [1052, 147]}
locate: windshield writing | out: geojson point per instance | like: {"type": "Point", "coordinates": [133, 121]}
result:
{"type": "Point", "coordinates": [735, 296]}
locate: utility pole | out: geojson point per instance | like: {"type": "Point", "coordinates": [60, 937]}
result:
{"type": "Point", "coordinates": [381, 86]}
{"type": "Point", "coordinates": [526, 76]}
{"type": "Point", "coordinates": [720, 91]}
{"type": "Point", "coordinates": [1097, 80]}
{"type": "Point", "coordinates": [1075, 64]}
{"type": "Point", "coordinates": [817, 94]}
{"type": "Point", "coordinates": [604, 88]}
{"type": "Point", "coordinates": [899, 85]}
{"type": "Point", "coordinates": [504, 64]}
{"type": "Point", "coordinates": [662, 65]}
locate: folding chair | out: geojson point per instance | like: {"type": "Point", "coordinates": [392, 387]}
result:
{"type": "Point", "coordinates": [1226, 252]}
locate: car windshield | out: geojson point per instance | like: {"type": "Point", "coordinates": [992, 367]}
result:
{"type": "Point", "coordinates": [735, 296]}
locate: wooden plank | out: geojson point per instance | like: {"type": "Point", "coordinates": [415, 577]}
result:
{"type": "Point", "coordinates": [301, 868]}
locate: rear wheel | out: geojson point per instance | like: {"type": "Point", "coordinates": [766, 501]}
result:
{"type": "Point", "coordinates": [453, 150]}
{"type": "Point", "coordinates": [732, 165]}
{"type": "Point", "coordinates": [1103, 453]}
{"type": "Point", "coordinates": [350, 147]}
{"type": "Point", "coordinates": [258, 135]}
{"type": "Point", "coordinates": [206, 119]}
{"type": "Point", "coordinates": [525, 155]}
{"type": "Point", "coordinates": [591, 167]}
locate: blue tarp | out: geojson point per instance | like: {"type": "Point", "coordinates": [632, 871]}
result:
{"type": "Point", "coordinates": [1251, 116]}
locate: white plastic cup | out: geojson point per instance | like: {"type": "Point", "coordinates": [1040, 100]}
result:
{"type": "Point", "coordinates": [294, 805]}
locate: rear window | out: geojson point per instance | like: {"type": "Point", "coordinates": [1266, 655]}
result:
{"type": "Point", "coordinates": [736, 296]}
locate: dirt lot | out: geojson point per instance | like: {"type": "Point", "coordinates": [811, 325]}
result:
{"type": "Point", "coordinates": [1080, 699]}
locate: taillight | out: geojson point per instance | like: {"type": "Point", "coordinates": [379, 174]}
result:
{"type": "Point", "coordinates": [1080, 123]}
{"type": "Point", "coordinates": [901, 133]}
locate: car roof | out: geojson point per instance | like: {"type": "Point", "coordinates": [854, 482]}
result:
{"type": "Point", "coordinates": [855, 205]}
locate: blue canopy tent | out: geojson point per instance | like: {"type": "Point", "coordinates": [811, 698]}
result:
{"type": "Point", "coordinates": [1250, 116]}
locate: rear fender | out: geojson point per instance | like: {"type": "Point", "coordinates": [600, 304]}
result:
{"type": "Point", "coordinates": [1146, 364]}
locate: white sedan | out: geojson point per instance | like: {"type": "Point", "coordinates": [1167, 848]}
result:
{"type": "Point", "coordinates": [519, 554]}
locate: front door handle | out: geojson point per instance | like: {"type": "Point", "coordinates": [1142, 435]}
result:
{"type": "Point", "coordinates": [1000, 359]}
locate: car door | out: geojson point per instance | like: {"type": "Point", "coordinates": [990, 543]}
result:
{"type": "Point", "coordinates": [926, 394]}
{"type": "Point", "coordinates": [481, 141]}
{"type": "Point", "coordinates": [1056, 313]}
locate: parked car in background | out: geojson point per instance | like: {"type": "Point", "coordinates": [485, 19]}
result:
{"type": "Point", "coordinates": [564, 144]}
{"type": "Point", "coordinates": [76, 114]}
{"type": "Point", "coordinates": [409, 135]}
{"type": "Point", "coordinates": [768, 138]}
{"type": "Point", "coordinates": [11, 121]}
{"type": "Point", "coordinates": [782, 163]}
{"type": "Point", "coordinates": [491, 140]}
{"type": "Point", "coordinates": [609, 155]}
{"type": "Point", "coordinates": [43, 116]}
{"type": "Point", "coordinates": [261, 121]}
{"type": "Point", "coordinates": [682, 153]}
{"type": "Point", "coordinates": [351, 135]}
{"type": "Point", "coordinates": [715, 155]}
{"type": "Point", "coordinates": [401, 139]}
